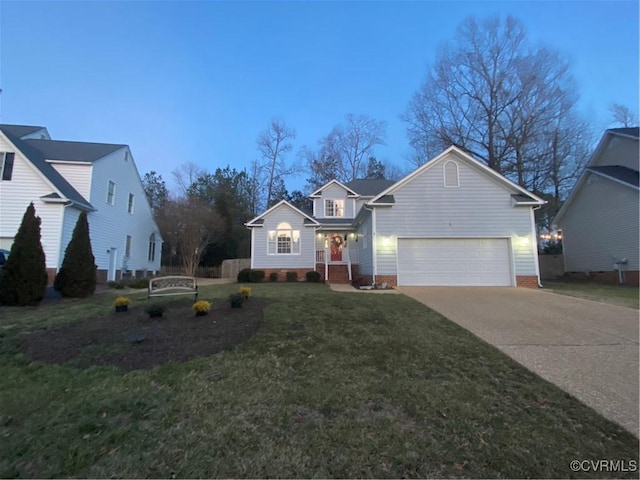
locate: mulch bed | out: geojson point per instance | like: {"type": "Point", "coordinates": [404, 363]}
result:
{"type": "Point", "coordinates": [133, 341]}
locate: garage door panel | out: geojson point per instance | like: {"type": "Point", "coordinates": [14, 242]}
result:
{"type": "Point", "coordinates": [454, 262]}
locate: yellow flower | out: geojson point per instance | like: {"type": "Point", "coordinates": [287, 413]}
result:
{"type": "Point", "coordinates": [121, 302]}
{"type": "Point", "coordinates": [202, 306]}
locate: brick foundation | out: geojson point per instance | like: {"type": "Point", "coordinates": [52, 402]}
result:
{"type": "Point", "coordinates": [528, 281]}
{"type": "Point", "coordinates": [51, 275]}
{"type": "Point", "coordinates": [282, 273]}
{"type": "Point", "coordinates": [607, 277]}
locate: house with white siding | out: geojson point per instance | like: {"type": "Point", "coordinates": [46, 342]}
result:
{"type": "Point", "coordinates": [599, 220]}
{"type": "Point", "coordinates": [452, 221]}
{"type": "Point", "coordinates": [63, 178]}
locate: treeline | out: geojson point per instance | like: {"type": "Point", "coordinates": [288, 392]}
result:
{"type": "Point", "coordinates": [490, 91]}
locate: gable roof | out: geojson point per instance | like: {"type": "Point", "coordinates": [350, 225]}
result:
{"type": "Point", "coordinates": [616, 172]}
{"type": "Point", "coordinates": [627, 131]}
{"type": "Point", "coordinates": [463, 155]}
{"type": "Point", "coordinates": [19, 130]}
{"type": "Point", "coordinates": [72, 151]}
{"type": "Point", "coordinates": [350, 192]}
{"type": "Point", "coordinates": [259, 220]}
{"type": "Point", "coordinates": [369, 187]}
{"type": "Point", "coordinates": [622, 175]}
{"type": "Point", "coordinates": [50, 174]}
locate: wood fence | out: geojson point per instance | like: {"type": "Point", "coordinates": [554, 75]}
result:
{"type": "Point", "coordinates": [201, 272]}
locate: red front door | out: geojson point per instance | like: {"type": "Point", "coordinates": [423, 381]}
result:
{"type": "Point", "coordinates": [336, 247]}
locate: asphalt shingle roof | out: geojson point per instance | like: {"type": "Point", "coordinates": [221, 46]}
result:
{"type": "Point", "coordinates": [369, 188]}
{"type": "Point", "coordinates": [19, 130]}
{"type": "Point", "coordinates": [73, 151]}
{"type": "Point", "coordinates": [38, 160]}
{"type": "Point", "coordinates": [631, 131]}
{"type": "Point", "coordinates": [623, 174]}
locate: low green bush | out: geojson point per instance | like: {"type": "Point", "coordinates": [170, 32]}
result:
{"type": "Point", "coordinates": [292, 277]}
{"type": "Point", "coordinates": [256, 276]}
{"type": "Point", "coordinates": [273, 277]}
{"type": "Point", "coordinates": [243, 275]}
{"type": "Point", "coordinates": [154, 310]}
{"type": "Point", "coordinates": [236, 300]}
{"type": "Point", "coordinates": [118, 284]}
{"type": "Point", "coordinates": [139, 283]}
{"type": "Point", "coordinates": [313, 276]}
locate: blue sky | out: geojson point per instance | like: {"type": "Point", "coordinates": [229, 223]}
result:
{"type": "Point", "coordinates": [198, 81]}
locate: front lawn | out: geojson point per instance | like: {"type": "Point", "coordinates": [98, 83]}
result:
{"type": "Point", "coordinates": [331, 385]}
{"type": "Point", "coordinates": [622, 295]}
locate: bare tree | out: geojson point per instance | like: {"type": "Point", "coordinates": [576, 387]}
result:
{"type": "Point", "coordinates": [623, 115]}
{"type": "Point", "coordinates": [352, 143]}
{"type": "Point", "coordinates": [185, 175]}
{"type": "Point", "coordinates": [274, 143]}
{"type": "Point", "coordinates": [495, 96]}
{"type": "Point", "coordinates": [188, 225]}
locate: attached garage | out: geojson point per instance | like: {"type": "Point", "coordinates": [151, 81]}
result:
{"type": "Point", "coordinates": [455, 262]}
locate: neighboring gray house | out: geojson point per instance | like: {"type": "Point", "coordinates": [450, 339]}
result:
{"type": "Point", "coordinates": [452, 221]}
{"type": "Point", "coordinates": [62, 179]}
{"type": "Point", "coordinates": [599, 220]}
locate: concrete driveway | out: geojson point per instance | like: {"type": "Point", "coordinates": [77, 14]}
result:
{"type": "Point", "coordinates": [588, 349]}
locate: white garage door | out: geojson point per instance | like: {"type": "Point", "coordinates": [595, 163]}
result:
{"type": "Point", "coordinates": [454, 261]}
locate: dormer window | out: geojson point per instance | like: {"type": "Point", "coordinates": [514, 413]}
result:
{"type": "Point", "coordinates": [333, 208]}
{"type": "Point", "coordinates": [451, 177]}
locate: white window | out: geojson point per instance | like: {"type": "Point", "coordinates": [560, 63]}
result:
{"type": "Point", "coordinates": [127, 247]}
{"type": "Point", "coordinates": [130, 205]}
{"type": "Point", "coordinates": [283, 241]}
{"type": "Point", "coordinates": [152, 247]}
{"type": "Point", "coordinates": [333, 208]}
{"type": "Point", "coordinates": [451, 177]}
{"type": "Point", "coordinates": [111, 193]}
{"type": "Point", "coordinates": [6, 165]}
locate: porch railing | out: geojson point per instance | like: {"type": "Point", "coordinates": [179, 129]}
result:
{"type": "Point", "coordinates": [322, 256]}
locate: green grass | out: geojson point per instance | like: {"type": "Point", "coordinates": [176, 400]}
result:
{"type": "Point", "coordinates": [332, 385]}
{"type": "Point", "coordinates": [622, 295]}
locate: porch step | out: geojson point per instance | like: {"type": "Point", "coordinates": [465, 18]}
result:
{"type": "Point", "coordinates": [338, 274]}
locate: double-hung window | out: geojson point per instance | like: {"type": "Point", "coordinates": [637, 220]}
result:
{"type": "Point", "coordinates": [6, 165]}
{"type": "Point", "coordinates": [283, 241]}
{"type": "Point", "coordinates": [130, 204]}
{"type": "Point", "coordinates": [111, 193]}
{"type": "Point", "coordinates": [152, 248]}
{"type": "Point", "coordinates": [333, 208]}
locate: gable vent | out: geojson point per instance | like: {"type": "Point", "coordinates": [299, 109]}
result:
{"type": "Point", "coordinates": [451, 177]}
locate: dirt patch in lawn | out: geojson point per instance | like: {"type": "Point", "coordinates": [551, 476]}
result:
{"type": "Point", "coordinates": [133, 341]}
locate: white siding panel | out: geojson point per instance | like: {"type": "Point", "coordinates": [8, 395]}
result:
{"type": "Point", "coordinates": [307, 256]}
{"type": "Point", "coordinates": [79, 176]}
{"type": "Point", "coordinates": [365, 255]}
{"type": "Point", "coordinates": [480, 207]}
{"type": "Point", "coordinates": [338, 193]}
{"type": "Point", "coordinates": [109, 225]}
{"type": "Point", "coordinates": [26, 186]}
{"type": "Point", "coordinates": [619, 151]}
{"type": "Point", "coordinates": [601, 226]}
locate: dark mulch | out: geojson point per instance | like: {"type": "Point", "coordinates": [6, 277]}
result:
{"type": "Point", "coordinates": [133, 341]}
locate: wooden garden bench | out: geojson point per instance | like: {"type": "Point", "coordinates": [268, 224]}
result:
{"type": "Point", "coordinates": [173, 285]}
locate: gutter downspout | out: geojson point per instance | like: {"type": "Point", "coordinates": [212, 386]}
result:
{"type": "Point", "coordinates": [374, 243]}
{"type": "Point", "coordinates": [535, 244]}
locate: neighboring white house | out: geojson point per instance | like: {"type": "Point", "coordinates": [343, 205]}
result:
{"type": "Point", "coordinates": [452, 221]}
{"type": "Point", "coordinates": [599, 220]}
{"type": "Point", "coordinates": [62, 179]}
